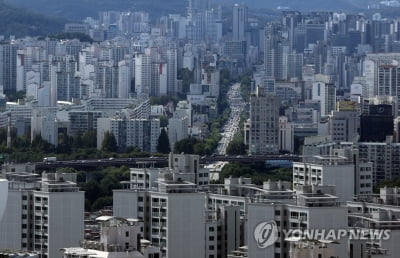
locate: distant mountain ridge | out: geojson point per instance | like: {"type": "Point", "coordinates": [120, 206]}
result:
{"type": "Point", "coordinates": [310, 4]}
{"type": "Point", "coordinates": [79, 9]}
{"type": "Point", "coordinates": [21, 22]}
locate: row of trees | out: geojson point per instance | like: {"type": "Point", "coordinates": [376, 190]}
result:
{"type": "Point", "coordinates": [99, 184]}
{"type": "Point", "coordinates": [23, 149]}
{"type": "Point", "coordinates": [257, 174]}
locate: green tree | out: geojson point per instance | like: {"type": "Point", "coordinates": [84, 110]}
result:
{"type": "Point", "coordinates": [64, 143]}
{"type": "Point", "coordinates": [109, 143]}
{"type": "Point", "coordinates": [163, 143]}
{"type": "Point", "coordinates": [163, 121]}
{"type": "Point", "coordinates": [109, 183]}
{"type": "Point", "coordinates": [236, 147]}
{"type": "Point", "coordinates": [89, 139]}
{"type": "Point", "coordinates": [185, 145]}
{"type": "Point", "coordinates": [102, 202]}
{"type": "Point", "coordinates": [92, 190]}
{"type": "Point", "coordinates": [41, 145]}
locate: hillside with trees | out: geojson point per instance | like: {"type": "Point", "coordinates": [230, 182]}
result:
{"type": "Point", "coordinates": [21, 22]}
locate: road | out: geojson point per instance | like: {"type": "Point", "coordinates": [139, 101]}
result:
{"type": "Point", "coordinates": [154, 161]}
{"type": "Point", "coordinates": [237, 104]}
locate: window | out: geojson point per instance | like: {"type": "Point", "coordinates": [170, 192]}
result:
{"type": "Point", "coordinates": [127, 233]}
{"type": "Point", "coordinates": [211, 247]}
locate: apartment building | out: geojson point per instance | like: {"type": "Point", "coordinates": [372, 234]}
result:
{"type": "Point", "coordinates": [38, 209]}
{"type": "Point", "coordinates": [380, 212]}
{"type": "Point", "coordinates": [315, 208]}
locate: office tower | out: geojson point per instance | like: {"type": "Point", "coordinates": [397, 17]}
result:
{"type": "Point", "coordinates": [325, 93]}
{"type": "Point", "coordinates": [275, 48]}
{"type": "Point", "coordinates": [42, 215]}
{"type": "Point", "coordinates": [8, 67]}
{"type": "Point", "coordinates": [239, 20]}
{"type": "Point", "coordinates": [344, 125]}
{"type": "Point", "coordinates": [264, 123]}
{"type": "Point", "coordinates": [377, 124]}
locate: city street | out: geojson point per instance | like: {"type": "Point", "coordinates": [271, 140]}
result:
{"type": "Point", "coordinates": [236, 103]}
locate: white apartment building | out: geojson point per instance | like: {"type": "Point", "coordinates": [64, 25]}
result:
{"type": "Point", "coordinates": [328, 171]}
{"type": "Point", "coordinates": [38, 211]}
{"type": "Point", "coordinates": [173, 215]}
{"type": "Point", "coordinates": [380, 212]}
{"type": "Point", "coordinates": [186, 166]}
{"type": "Point", "coordinates": [315, 208]}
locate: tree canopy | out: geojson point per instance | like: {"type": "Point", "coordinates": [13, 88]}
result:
{"type": "Point", "coordinates": [163, 143]}
{"type": "Point", "coordinates": [109, 143]}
